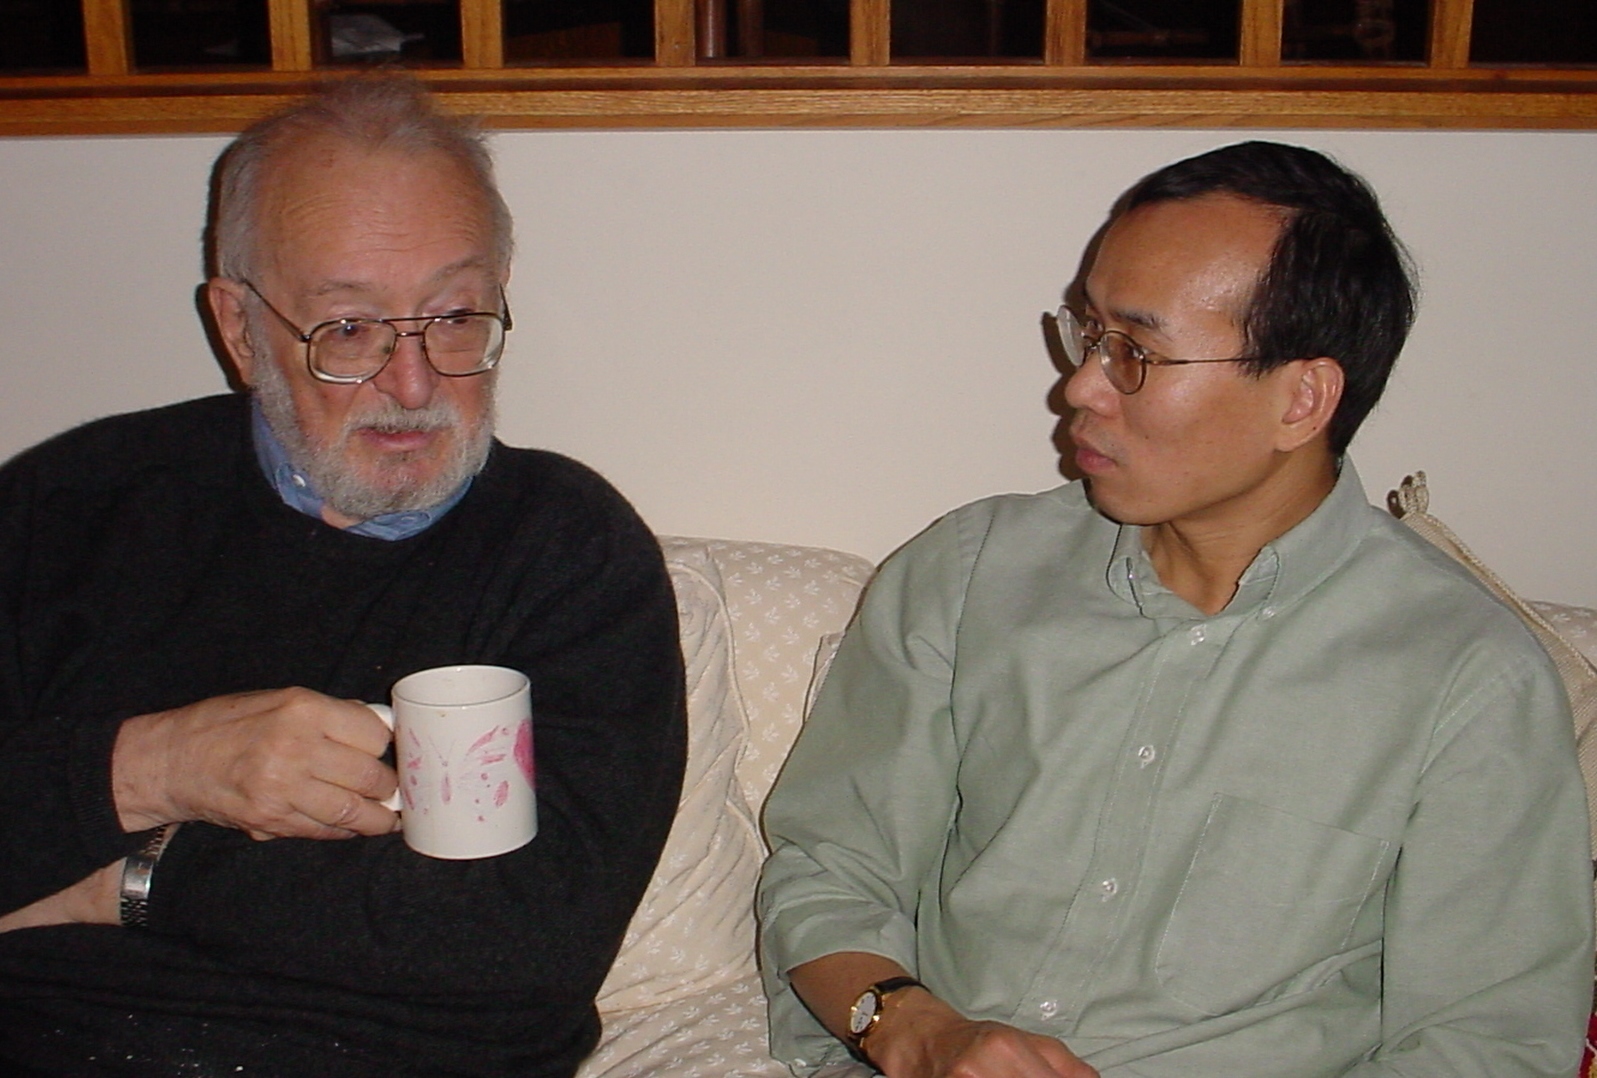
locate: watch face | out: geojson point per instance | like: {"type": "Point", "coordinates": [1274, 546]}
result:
{"type": "Point", "coordinates": [863, 1012]}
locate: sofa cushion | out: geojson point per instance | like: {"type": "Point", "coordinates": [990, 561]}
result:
{"type": "Point", "coordinates": [694, 930]}
{"type": "Point", "coordinates": [1576, 624]}
{"type": "Point", "coordinates": [781, 600]}
{"type": "Point", "coordinates": [717, 1033]}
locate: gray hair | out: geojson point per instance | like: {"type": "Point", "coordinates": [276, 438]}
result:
{"type": "Point", "coordinates": [387, 112]}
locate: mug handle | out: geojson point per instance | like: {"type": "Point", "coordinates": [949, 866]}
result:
{"type": "Point", "coordinates": [386, 713]}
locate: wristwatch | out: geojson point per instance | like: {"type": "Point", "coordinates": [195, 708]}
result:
{"type": "Point", "coordinates": [866, 1011]}
{"type": "Point", "coordinates": [137, 870]}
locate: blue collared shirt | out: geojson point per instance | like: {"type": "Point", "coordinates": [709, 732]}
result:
{"type": "Point", "coordinates": [294, 487]}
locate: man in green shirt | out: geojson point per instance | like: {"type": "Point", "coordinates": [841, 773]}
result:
{"type": "Point", "coordinates": [1200, 766]}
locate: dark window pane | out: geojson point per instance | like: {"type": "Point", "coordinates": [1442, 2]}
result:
{"type": "Point", "coordinates": [800, 28]}
{"type": "Point", "coordinates": [422, 31]}
{"type": "Point", "coordinates": [967, 29]}
{"type": "Point", "coordinates": [41, 37]}
{"type": "Point", "coordinates": [778, 29]}
{"type": "Point", "coordinates": [1534, 32]}
{"type": "Point", "coordinates": [1357, 31]}
{"type": "Point", "coordinates": [1163, 29]}
{"type": "Point", "coordinates": [199, 33]}
{"type": "Point", "coordinates": [578, 29]}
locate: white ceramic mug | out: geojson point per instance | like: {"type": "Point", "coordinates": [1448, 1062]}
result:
{"type": "Point", "coordinates": [463, 750]}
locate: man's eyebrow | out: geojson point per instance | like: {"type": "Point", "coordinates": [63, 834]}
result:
{"type": "Point", "coordinates": [472, 262]}
{"type": "Point", "coordinates": [1135, 316]}
{"type": "Point", "coordinates": [327, 288]}
{"type": "Point", "coordinates": [1146, 319]}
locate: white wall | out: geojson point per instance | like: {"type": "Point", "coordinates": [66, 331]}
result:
{"type": "Point", "coordinates": [832, 336]}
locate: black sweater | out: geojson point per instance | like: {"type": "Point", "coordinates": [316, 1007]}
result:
{"type": "Point", "coordinates": [145, 563]}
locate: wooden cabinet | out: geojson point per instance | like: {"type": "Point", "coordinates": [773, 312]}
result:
{"type": "Point", "coordinates": [833, 63]}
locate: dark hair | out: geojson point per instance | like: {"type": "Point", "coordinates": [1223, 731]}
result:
{"type": "Point", "coordinates": [1339, 283]}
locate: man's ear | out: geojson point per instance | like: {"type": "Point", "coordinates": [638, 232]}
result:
{"type": "Point", "coordinates": [1314, 388]}
{"type": "Point", "coordinates": [227, 298]}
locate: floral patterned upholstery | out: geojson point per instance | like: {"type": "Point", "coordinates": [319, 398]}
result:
{"type": "Point", "coordinates": [683, 999]}
{"type": "Point", "coordinates": [1577, 624]}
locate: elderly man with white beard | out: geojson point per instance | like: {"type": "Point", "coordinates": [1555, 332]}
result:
{"type": "Point", "coordinates": [201, 874]}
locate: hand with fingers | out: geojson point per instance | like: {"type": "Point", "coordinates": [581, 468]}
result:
{"type": "Point", "coordinates": [283, 763]}
{"type": "Point", "coordinates": [937, 1042]}
{"type": "Point", "coordinates": [912, 1033]}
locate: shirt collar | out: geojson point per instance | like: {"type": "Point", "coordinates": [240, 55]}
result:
{"type": "Point", "coordinates": [1284, 570]}
{"type": "Point", "coordinates": [295, 489]}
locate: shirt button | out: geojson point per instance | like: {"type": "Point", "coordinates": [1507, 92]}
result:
{"type": "Point", "coordinates": [299, 481]}
{"type": "Point", "coordinates": [1267, 613]}
{"type": "Point", "coordinates": [1109, 888]}
{"type": "Point", "coordinates": [1147, 755]}
{"type": "Point", "coordinates": [1048, 1008]}
{"type": "Point", "coordinates": [1196, 634]}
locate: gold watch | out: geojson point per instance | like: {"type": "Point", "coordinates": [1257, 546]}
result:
{"type": "Point", "coordinates": [866, 1011]}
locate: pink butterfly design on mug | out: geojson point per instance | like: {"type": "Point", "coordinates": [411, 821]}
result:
{"type": "Point", "coordinates": [481, 774]}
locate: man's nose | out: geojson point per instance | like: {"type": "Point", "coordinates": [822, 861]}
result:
{"type": "Point", "coordinates": [408, 378]}
{"type": "Point", "coordinates": [1088, 388]}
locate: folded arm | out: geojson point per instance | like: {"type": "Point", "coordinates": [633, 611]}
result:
{"type": "Point", "coordinates": [596, 635]}
{"type": "Point", "coordinates": [285, 763]}
{"type": "Point", "coordinates": [289, 763]}
{"type": "Point", "coordinates": [919, 1035]}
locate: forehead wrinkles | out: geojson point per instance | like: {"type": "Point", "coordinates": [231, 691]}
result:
{"type": "Point", "coordinates": [368, 201]}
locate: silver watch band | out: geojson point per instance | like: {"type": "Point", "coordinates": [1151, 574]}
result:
{"type": "Point", "coordinates": [137, 871]}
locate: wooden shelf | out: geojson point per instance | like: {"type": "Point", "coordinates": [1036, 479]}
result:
{"type": "Point", "coordinates": [864, 90]}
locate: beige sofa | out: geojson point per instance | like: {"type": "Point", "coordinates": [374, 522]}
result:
{"type": "Point", "coordinates": [683, 1000]}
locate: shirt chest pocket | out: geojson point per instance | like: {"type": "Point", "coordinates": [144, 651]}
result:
{"type": "Point", "coordinates": [1267, 908]}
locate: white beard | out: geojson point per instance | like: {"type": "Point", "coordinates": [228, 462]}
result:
{"type": "Point", "coordinates": [342, 488]}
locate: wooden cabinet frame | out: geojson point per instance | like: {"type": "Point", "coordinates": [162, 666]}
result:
{"type": "Point", "coordinates": [678, 89]}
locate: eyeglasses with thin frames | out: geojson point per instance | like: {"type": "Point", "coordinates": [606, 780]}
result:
{"type": "Point", "coordinates": [349, 351]}
{"type": "Point", "coordinates": [1125, 362]}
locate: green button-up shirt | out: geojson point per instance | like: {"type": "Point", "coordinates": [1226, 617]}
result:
{"type": "Point", "coordinates": [1336, 828]}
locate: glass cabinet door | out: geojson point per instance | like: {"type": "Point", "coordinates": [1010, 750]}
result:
{"type": "Point", "coordinates": [555, 30]}
{"type": "Point", "coordinates": [1356, 31]}
{"type": "Point", "coordinates": [41, 37]}
{"type": "Point", "coordinates": [1534, 32]}
{"type": "Point", "coordinates": [1202, 30]}
{"type": "Point", "coordinates": [793, 31]}
{"type": "Point", "coordinates": [179, 34]}
{"type": "Point", "coordinates": [930, 30]}
{"type": "Point", "coordinates": [420, 31]}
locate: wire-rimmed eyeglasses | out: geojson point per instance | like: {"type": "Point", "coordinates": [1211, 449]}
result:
{"type": "Point", "coordinates": [349, 351]}
{"type": "Point", "coordinates": [1125, 362]}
